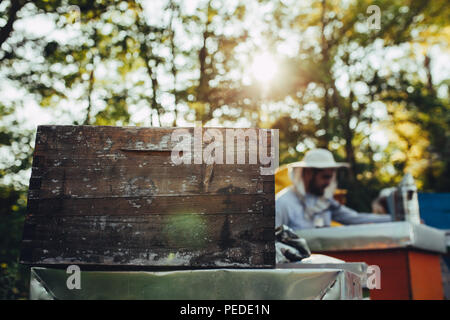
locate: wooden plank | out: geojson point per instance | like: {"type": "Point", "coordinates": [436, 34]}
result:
{"type": "Point", "coordinates": [170, 231]}
{"type": "Point", "coordinates": [247, 256]}
{"type": "Point", "coordinates": [113, 196]}
{"type": "Point", "coordinates": [144, 181]}
{"type": "Point", "coordinates": [109, 141]}
{"type": "Point", "coordinates": [53, 160]}
{"type": "Point", "coordinates": [196, 204]}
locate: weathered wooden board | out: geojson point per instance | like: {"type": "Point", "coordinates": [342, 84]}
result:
{"type": "Point", "coordinates": [113, 196]}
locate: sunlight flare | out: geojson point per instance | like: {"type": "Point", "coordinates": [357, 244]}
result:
{"type": "Point", "coordinates": [264, 68]}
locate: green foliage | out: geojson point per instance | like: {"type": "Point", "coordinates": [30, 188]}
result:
{"type": "Point", "coordinates": [14, 280]}
{"type": "Point", "coordinates": [13, 277]}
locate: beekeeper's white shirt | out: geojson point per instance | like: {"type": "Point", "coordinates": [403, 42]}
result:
{"type": "Point", "coordinates": [290, 212]}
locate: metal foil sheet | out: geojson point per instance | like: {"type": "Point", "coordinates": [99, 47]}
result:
{"type": "Point", "coordinates": [375, 236]}
{"type": "Point", "coordinates": [216, 284]}
{"type": "Point", "coordinates": [357, 268]}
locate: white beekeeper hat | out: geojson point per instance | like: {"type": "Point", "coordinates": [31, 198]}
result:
{"type": "Point", "coordinates": [318, 158]}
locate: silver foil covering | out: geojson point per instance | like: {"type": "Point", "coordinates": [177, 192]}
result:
{"type": "Point", "coordinates": [218, 284]}
{"type": "Point", "coordinates": [375, 236]}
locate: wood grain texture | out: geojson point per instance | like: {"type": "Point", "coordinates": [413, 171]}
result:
{"type": "Point", "coordinates": [112, 196]}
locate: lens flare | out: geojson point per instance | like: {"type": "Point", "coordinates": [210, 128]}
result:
{"type": "Point", "coordinates": [264, 68]}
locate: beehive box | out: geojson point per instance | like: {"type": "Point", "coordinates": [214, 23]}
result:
{"type": "Point", "coordinates": [114, 196]}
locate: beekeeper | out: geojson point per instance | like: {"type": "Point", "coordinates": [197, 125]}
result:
{"type": "Point", "coordinates": [309, 202]}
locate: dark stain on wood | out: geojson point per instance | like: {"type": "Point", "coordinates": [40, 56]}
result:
{"type": "Point", "coordinates": [225, 235]}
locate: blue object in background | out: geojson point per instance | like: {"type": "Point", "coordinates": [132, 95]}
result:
{"type": "Point", "coordinates": [435, 209]}
{"type": "Point", "coordinates": [435, 212]}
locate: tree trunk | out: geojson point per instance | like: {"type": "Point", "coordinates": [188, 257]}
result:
{"type": "Point", "coordinates": [87, 120]}
{"type": "Point", "coordinates": [427, 64]}
{"type": "Point", "coordinates": [349, 134]}
{"type": "Point", "coordinates": [174, 69]}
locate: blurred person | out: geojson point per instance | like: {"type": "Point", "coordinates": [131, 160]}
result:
{"type": "Point", "coordinates": [309, 202]}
